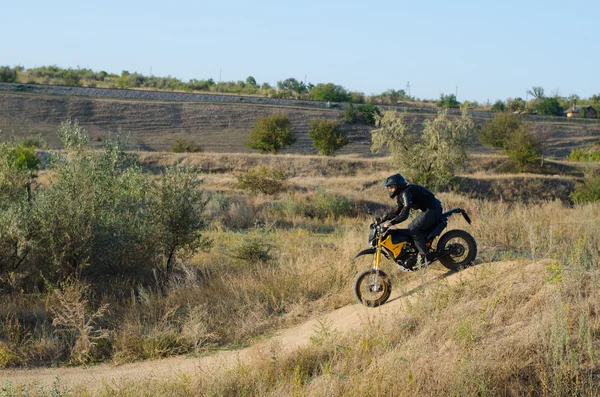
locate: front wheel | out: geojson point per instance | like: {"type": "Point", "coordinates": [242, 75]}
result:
{"type": "Point", "coordinates": [457, 249]}
{"type": "Point", "coordinates": [372, 287]}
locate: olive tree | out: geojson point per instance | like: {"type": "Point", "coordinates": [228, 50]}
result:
{"type": "Point", "coordinates": [428, 156]}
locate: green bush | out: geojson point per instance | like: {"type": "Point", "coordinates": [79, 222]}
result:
{"type": "Point", "coordinates": [368, 112]}
{"type": "Point", "coordinates": [429, 157]}
{"type": "Point", "coordinates": [321, 205]}
{"type": "Point", "coordinates": [588, 190]}
{"type": "Point", "coordinates": [329, 92]}
{"type": "Point", "coordinates": [498, 106]}
{"type": "Point", "coordinates": [448, 102]}
{"type": "Point", "coordinates": [327, 135]}
{"type": "Point", "coordinates": [71, 78]}
{"type": "Point", "coordinates": [515, 104]}
{"type": "Point", "coordinates": [506, 131]}
{"type": "Point", "coordinates": [350, 113]}
{"type": "Point", "coordinates": [271, 133]}
{"type": "Point", "coordinates": [523, 148]}
{"type": "Point", "coordinates": [262, 179]}
{"type": "Point", "coordinates": [548, 107]}
{"type": "Point", "coordinates": [327, 205]}
{"type": "Point", "coordinates": [497, 131]}
{"type": "Point", "coordinates": [8, 75]}
{"type": "Point", "coordinates": [184, 145]}
{"type": "Point", "coordinates": [253, 249]}
{"type": "Point", "coordinates": [100, 218]}
{"type": "Point", "coordinates": [583, 155]}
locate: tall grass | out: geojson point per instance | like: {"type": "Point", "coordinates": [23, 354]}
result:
{"type": "Point", "coordinates": [524, 327]}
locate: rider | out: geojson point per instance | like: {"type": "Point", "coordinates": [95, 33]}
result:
{"type": "Point", "coordinates": [409, 196]}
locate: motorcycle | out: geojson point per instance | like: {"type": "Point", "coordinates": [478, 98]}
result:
{"type": "Point", "coordinates": [456, 249]}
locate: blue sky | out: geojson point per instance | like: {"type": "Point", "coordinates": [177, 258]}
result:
{"type": "Point", "coordinates": [488, 51]}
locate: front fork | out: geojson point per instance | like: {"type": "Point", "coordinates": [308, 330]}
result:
{"type": "Point", "coordinates": [376, 263]}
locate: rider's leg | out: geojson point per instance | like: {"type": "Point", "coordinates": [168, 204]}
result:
{"type": "Point", "coordinates": [419, 226]}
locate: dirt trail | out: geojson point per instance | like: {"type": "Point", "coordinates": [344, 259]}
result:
{"type": "Point", "coordinates": [344, 320]}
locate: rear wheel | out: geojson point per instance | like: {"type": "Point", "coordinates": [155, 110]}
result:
{"type": "Point", "coordinates": [372, 287]}
{"type": "Point", "coordinates": [457, 248]}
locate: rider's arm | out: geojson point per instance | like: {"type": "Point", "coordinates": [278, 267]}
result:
{"type": "Point", "coordinates": [392, 214]}
{"type": "Point", "coordinates": [406, 203]}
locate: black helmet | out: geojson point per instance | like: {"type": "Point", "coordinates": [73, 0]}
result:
{"type": "Point", "coordinates": [395, 180]}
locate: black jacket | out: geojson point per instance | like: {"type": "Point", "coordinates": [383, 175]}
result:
{"type": "Point", "coordinates": [412, 197]}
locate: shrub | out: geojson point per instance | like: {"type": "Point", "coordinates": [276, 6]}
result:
{"type": "Point", "coordinates": [496, 132]}
{"type": "Point", "coordinates": [369, 112]}
{"type": "Point", "coordinates": [329, 92]}
{"type": "Point", "coordinates": [498, 106]}
{"type": "Point", "coordinates": [253, 249]}
{"type": "Point", "coordinates": [178, 215]}
{"type": "Point", "coordinates": [71, 77]}
{"type": "Point", "coordinates": [583, 155]}
{"type": "Point", "coordinates": [506, 131]}
{"type": "Point", "coordinates": [549, 107]}
{"type": "Point", "coordinates": [588, 190]}
{"type": "Point", "coordinates": [183, 145]}
{"type": "Point", "coordinates": [327, 135]}
{"type": "Point", "coordinates": [429, 157]}
{"type": "Point", "coordinates": [448, 101]}
{"type": "Point", "coordinates": [75, 322]}
{"type": "Point", "coordinates": [271, 133]}
{"type": "Point", "coordinates": [262, 179]}
{"type": "Point", "coordinates": [523, 148]}
{"type": "Point", "coordinates": [327, 205]}
{"type": "Point", "coordinates": [350, 113]}
{"type": "Point", "coordinates": [515, 104]}
{"type": "Point", "coordinates": [321, 205]}
{"type": "Point", "coordinates": [8, 75]}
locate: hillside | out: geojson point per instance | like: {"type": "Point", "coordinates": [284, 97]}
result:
{"type": "Point", "coordinates": [154, 120]}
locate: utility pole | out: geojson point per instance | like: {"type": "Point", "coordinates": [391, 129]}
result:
{"type": "Point", "coordinates": [456, 92]}
{"type": "Point", "coordinates": [408, 88]}
{"type": "Point", "coordinates": [220, 70]}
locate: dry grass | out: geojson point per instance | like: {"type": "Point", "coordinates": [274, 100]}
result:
{"type": "Point", "coordinates": [529, 327]}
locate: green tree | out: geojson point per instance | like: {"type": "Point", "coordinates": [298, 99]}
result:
{"type": "Point", "coordinates": [350, 113]}
{"type": "Point", "coordinates": [431, 156]}
{"type": "Point", "coordinates": [523, 148]}
{"type": "Point", "coordinates": [496, 132]}
{"type": "Point", "coordinates": [8, 75]}
{"type": "Point", "coordinates": [548, 107]}
{"type": "Point", "coordinates": [71, 77]}
{"type": "Point", "coordinates": [271, 133]}
{"type": "Point", "coordinates": [447, 101]}
{"type": "Point", "coordinates": [498, 106]}
{"type": "Point", "coordinates": [123, 80]}
{"type": "Point", "coordinates": [327, 135]}
{"type": "Point", "coordinates": [18, 165]}
{"type": "Point", "coordinates": [251, 81]}
{"type": "Point", "coordinates": [515, 104]}
{"type": "Point", "coordinates": [329, 92]}
{"type": "Point", "coordinates": [369, 112]}
{"type": "Point", "coordinates": [537, 93]}
{"type": "Point", "coordinates": [291, 85]}
{"type": "Point", "coordinates": [178, 215]}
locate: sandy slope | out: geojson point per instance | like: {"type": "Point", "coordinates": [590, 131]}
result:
{"type": "Point", "coordinates": [343, 320]}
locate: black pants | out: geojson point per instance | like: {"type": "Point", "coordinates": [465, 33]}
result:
{"type": "Point", "coordinates": [419, 226]}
